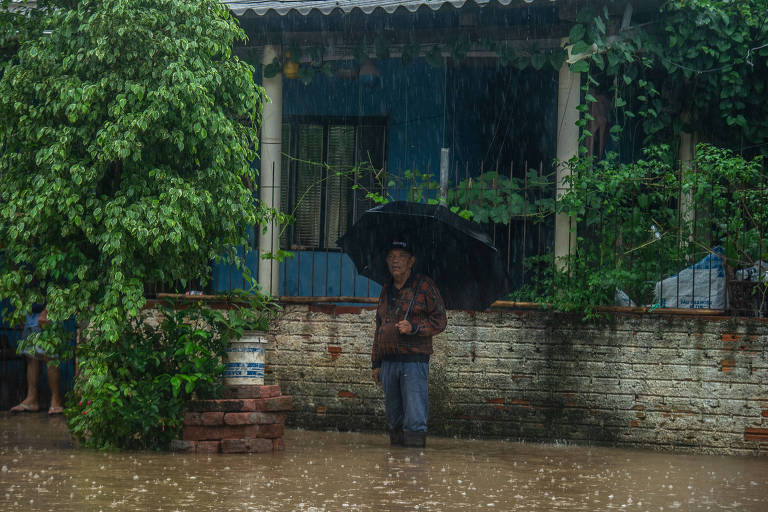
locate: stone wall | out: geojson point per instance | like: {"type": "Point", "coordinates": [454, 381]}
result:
{"type": "Point", "coordinates": [651, 380]}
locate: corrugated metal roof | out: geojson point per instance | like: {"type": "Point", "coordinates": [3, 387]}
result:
{"type": "Point", "coordinates": [20, 5]}
{"type": "Point", "coordinates": [304, 7]}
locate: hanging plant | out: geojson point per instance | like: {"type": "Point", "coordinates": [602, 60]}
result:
{"type": "Point", "coordinates": [556, 58]}
{"type": "Point", "coordinates": [410, 52]}
{"type": "Point", "coordinates": [361, 52]}
{"type": "Point", "coordinates": [538, 60]}
{"type": "Point", "coordinates": [521, 61]}
{"type": "Point", "coordinates": [459, 48]}
{"type": "Point", "coordinates": [315, 54]}
{"type": "Point", "coordinates": [434, 57]}
{"type": "Point", "coordinates": [272, 69]}
{"type": "Point", "coordinates": [290, 66]}
{"type": "Point", "coordinates": [306, 74]}
{"type": "Point", "coordinates": [381, 47]}
{"type": "Point", "coordinates": [506, 55]}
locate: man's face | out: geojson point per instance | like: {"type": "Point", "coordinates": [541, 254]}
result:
{"type": "Point", "coordinates": [400, 262]}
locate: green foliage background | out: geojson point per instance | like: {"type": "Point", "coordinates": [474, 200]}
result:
{"type": "Point", "coordinates": [137, 398]}
{"type": "Point", "coordinates": [127, 132]}
{"type": "Point", "coordinates": [127, 135]}
{"type": "Point", "coordinates": [631, 232]}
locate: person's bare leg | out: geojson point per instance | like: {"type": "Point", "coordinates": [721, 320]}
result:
{"type": "Point", "coordinates": [54, 383]}
{"type": "Point", "coordinates": [30, 403]}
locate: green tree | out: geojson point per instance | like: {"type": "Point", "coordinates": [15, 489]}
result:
{"type": "Point", "coordinates": [127, 132]}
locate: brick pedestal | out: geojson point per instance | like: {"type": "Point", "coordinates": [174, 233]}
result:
{"type": "Point", "coordinates": [247, 419]}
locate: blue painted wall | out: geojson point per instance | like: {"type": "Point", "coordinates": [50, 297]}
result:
{"type": "Point", "coordinates": [485, 114]}
{"type": "Point", "coordinates": [307, 274]}
{"type": "Point", "coordinates": [410, 97]}
{"type": "Point", "coordinates": [501, 115]}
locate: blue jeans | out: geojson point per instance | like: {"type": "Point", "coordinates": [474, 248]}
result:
{"type": "Point", "coordinates": [406, 394]}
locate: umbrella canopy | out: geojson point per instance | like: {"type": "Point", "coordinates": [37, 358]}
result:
{"type": "Point", "coordinates": [466, 267]}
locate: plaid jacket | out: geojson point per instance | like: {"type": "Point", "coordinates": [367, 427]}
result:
{"type": "Point", "coordinates": [427, 317]}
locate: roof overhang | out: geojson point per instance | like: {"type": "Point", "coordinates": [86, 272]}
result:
{"type": "Point", "coordinates": [305, 7]}
{"type": "Point", "coordinates": [21, 6]}
{"type": "Point", "coordinates": [340, 27]}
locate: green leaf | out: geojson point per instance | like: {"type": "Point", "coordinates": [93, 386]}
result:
{"type": "Point", "coordinates": [598, 60]}
{"type": "Point", "coordinates": [306, 74]}
{"type": "Point", "coordinates": [556, 58]}
{"type": "Point", "coordinates": [434, 57]}
{"type": "Point", "coordinates": [271, 70]}
{"type": "Point", "coordinates": [521, 62]}
{"type": "Point", "coordinates": [581, 47]}
{"type": "Point", "coordinates": [600, 24]}
{"type": "Point", "coordinates": [581, 66]}
{"type": "Point", "coordinates": [538, 60]}
{"type": "Point", "coordinates": [175, 385]}
{"type": "Point", "coordinates": [577, 33]}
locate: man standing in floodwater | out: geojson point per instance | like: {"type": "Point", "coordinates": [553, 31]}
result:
{"type": "Point", "coordinates": [409, 313]}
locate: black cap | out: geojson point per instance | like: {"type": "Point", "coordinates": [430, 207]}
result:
{"type": "Point", "coordinates": [399, 244]}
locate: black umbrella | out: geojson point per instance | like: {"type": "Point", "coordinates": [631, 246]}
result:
{"type": "Point", "coordinates": [466, 267]}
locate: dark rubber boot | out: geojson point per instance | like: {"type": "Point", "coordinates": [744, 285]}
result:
{"type": "Point", "coordinates": [415, 439]}
{"type": "Point", "coordinates": [396, 437]}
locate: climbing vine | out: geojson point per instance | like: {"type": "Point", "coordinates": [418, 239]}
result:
{"type": "Point", "coordinates": [701, 66]}
{"type": "Point", "coordinates": [632, 231]}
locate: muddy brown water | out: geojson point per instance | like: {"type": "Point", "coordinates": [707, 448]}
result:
{"type": "Point", "coordinates": [329, 471]}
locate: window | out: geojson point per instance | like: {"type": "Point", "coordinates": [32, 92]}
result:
{"type": "Point", "coordinates": [318, 182]}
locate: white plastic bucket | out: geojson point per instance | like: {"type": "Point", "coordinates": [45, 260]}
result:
{"type": "Point", "coordinates": [245, 361]}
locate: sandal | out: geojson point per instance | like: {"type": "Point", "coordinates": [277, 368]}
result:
{"type": "Point", "coordinates": [55, 410]}
{"type": "Point", "coordinates": [22, 407]}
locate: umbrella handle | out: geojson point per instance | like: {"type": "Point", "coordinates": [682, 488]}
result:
{"type": "Point", "coordinates": [413, 299]}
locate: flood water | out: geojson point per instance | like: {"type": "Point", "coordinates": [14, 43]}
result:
{"type": "Point", "coordinates": [324, 471]}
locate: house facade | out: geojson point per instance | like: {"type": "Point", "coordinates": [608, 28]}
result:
{"type": "Point", "coordinates": [363, 96]}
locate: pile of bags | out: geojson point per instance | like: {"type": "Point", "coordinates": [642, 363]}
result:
{"type": "Point", "coordinates": [699, 286]}
{"type": "Point", "coordinates": [756, 273]}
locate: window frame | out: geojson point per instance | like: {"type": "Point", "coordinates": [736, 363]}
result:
{"type": "Point", "coordinates": [290, 164]}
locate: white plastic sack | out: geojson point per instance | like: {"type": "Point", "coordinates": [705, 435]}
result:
{"type": "Point", "coordinates": [757, 272]}
{"type": "Point", "coordinates": [701, 285]}
{"type": "Point", "coordinates": [620, 298]}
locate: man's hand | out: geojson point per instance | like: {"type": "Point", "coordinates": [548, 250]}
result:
{"type": "Point", "coordinates": [405, 327]}
{"type": "Point", "coordinates": [375, 374]}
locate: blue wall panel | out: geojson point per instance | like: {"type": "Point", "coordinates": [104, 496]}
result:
{"type": "Point", "coordinates": [411, 97]}
{"type": "Point", "coordinates": [308, 273]}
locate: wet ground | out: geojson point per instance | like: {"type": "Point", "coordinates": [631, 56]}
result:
{"type": "Point", "coordinates": [322, 471]}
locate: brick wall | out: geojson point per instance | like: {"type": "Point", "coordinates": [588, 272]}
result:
{"type": "Point", "coordinates": [659, 381]}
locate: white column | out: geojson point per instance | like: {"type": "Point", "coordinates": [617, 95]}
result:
{"type": "Point", "coordinates": [269, 178]}
{"type": "Point", "coordinates": [568, 99]}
